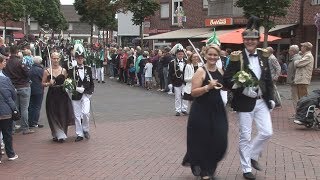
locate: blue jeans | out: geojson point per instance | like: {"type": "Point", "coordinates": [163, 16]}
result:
{"type": "Point", "coordinates": [22, 102]}
{"type": "Point", "coordinates": [34, 108]}
{"type": "Point", "coordinates": [6, 129]}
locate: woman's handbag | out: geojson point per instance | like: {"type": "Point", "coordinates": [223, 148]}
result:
{"type": "Point", "coordinates": [16, 115]}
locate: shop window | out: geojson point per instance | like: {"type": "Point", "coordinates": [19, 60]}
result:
{"type": "Point", "coordinates": [34, 26]}
{"type": "Point", "coordinates": [177, 7]}
{"type": "Point", "coordinates": [315, 2]}
{"type": "Point", "coordinates": [205, 4]}
{"type": "Point", "coordinates": [164, 11]}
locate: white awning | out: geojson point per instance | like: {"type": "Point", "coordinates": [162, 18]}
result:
{"type": "Point", "coordinates": [281, 26]}
{"type": "Point", "coordinates": [196, 33]}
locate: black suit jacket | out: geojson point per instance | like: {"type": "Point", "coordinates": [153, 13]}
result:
{"type": "Point", "coordinates": [241, 102]}
{"type": "Point", "coordinates": [87, 81]}
{"type": "Point", "coordinates": [175, 75]}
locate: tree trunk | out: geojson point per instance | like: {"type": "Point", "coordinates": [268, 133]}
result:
{"type": "Point", "coordinates": [27, 27]}
{"type": "Point", "coordinates": [91, 33]}
{"type": "Point", "coordinates": [107, 38]}
{"type": "Point", "coordinates": [104, 43]}
{"type": "Point", "coordinates": [141, 36]}
{"type": "Point", "coordinates": [265, 40]}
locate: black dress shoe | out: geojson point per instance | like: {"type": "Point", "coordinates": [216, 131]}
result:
{"type": "Point", "coordinates": [177, 114]}
{"type": "Point", "coordinates": [79, 138]}
{"type": "Point", "coordinates": [256, 165]}
{"type": "Point", "coordinates": [86, 135]}
{"type": "Point", "coordinates": [249, 175]}
{"type": "Point", "coordinates": [61, 140]}
{"type": "Point", "coordinates": [54, 139]}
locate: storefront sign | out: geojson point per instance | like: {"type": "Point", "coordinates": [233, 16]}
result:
{"type": "Point", "coordinates": [218, 22]}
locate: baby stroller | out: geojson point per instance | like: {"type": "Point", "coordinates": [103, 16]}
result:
{"type": "Point", "coordinates": [307, 112]}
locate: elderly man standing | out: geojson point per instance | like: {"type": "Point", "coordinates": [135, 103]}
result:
{"type": "Point", "coordinates": [275, 70]}
{"type": "Point", "coordinates": [294, 56]}
{"type": "Point", "coordinates": [304, 68]}
{"type": "Point", "coordinates": [36, 73]}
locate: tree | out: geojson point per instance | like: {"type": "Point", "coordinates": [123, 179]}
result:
{"type": "Point", "coordinates": [97, 12]}
{"type": "Point", "coordinates": [142, 9]}
{"type": "Point", "coordinates": [33, 8]}
{"type": "Point", "coordinates": [267, 11]}
{"type": "Point", "coordinates": [10, 10]}
{"type": "Point", "coordinates": [52, 16]}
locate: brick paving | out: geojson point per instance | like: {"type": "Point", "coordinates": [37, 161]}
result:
{"type": "Point", "coordinates": [137, 137]}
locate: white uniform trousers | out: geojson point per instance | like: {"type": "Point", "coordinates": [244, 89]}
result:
{"type": "Point", "coordinates": [82, 112]}
{"type": "Point", "coordinates": [94, 72]}
{"type": "Point", "coordinates": [180, 104]}
{"type": "Point", "coordinates": [224, 96]}
{"type": "Point", "coordinates": [252, 149]}
{"type": "Point", "coordinates": [100, 74]}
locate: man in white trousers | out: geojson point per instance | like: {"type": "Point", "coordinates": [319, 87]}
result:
{"type": "Point", "coordinates": [99, 66]}
{"type": "Point", "coordinates": [82, 74]}
{"type": "Point", "coordinates": [251, 103]}
{"type": "Point", "coordinates": [176, 67]}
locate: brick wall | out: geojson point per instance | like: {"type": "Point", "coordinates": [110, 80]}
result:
{"type": "Point", "coordinates": [309, 12]}
{"type": "Point", "coordinates": [194, 12]}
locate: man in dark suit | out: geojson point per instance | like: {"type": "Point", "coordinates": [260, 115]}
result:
{"type": "Point", "coordinates": [82, 74]}
{"type": "Point", "coordinates": [176, 67]}
{"type": "Point", "coordinates": [251, 103]}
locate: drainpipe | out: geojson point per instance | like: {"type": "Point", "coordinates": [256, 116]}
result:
{"type": "Point", "coordinates": [301, 19]}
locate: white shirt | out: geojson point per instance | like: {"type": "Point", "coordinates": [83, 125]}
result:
{"type": "Point", "coordinates": [254, 64]}
{"type": "Point", "coordinates": [1, 73]}
{"type": "Point", "coordinates": [81, 72]}
{"type": "Point", "coordinates": [181, 64]}
{"type": "Point", "coordinates": [148, 69]}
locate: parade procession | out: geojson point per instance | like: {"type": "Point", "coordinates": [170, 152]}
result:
{"type": "Point", "coordinates": [169, 89]}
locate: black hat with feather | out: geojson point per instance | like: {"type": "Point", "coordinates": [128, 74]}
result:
{"type": "Point", "coordinates": [252, 30]}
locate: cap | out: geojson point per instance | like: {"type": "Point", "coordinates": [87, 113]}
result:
{"type": "Point", "coordinates": [252, 30]}
{"type": "Point", "coordinates": [307, 44]}
{"type": "Point", "coordinates": [177, 48]}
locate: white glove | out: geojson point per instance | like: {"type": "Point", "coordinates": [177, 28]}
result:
{"type": "Point", "coordinates": [74, 63]}
{"type": "Point", "coordinates": [250, 92]}
{"type": "Point", "coordinates": [80, 89]}
{"type": "Point", "coordinates": [272, 104]}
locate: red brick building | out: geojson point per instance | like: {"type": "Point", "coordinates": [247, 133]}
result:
{"type": "Point", "coordinates": [14, 30]}
{"type": "Point", "coordinates": [308, 29]}
{"type": "Point", "coordinates": [296, 27]}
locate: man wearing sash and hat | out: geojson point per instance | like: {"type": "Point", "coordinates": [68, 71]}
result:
{"type": "Point", "coordinates": [82, 75]}
{"type": "Point", "coordinates": [251, 103]}
{"type": "Point", "coordinates": [176, 76]}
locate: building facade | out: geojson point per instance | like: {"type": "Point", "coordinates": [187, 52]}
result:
{"type": "Point", "coordinates": [76, 29]}
{"type": "Point", "coordinates": [296, 27]}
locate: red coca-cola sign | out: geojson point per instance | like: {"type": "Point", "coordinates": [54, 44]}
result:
{"type": "Point", "coordinates": [218, 22]}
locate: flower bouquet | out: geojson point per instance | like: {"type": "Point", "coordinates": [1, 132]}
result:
{"type": "Point", "coordinates": [244, 79]}
{"type": "Point", "coordinates": [69, 85]}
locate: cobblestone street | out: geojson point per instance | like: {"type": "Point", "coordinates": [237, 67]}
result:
{"type": "Point", "coordinates": [138, 137]}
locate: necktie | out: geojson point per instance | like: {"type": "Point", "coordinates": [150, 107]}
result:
{"type": "Point", "coordinates": [254, 55]}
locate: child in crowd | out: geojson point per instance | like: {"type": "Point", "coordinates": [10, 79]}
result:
{"type": "Point", "coordinates": [148, 74]}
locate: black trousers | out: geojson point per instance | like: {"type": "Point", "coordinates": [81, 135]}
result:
{"type": "Point", "coordinates": [6, 126]}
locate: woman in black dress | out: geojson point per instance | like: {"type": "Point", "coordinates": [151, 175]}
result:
{"type": "Point", "coordinates": [58, 104]}
{"type": "Point", "coordinates": [207, 125]}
